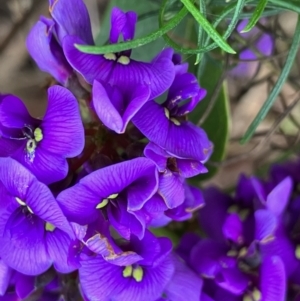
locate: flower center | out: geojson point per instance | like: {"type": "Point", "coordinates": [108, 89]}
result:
{"type": "Point", "coordinates": [32, 142]}
{"type": "Point", "coordinates": [172, 164]}
{"type": "Point", "coordinates": [174, 120]}
{"type": "Point", "coordinates": [254, 296]}
{"type": "Point", "coordinates": [105, 201]}
{"type": "Point", "coordinates": [22, 203]}
{"type": "Point", "coordinates": [137, 273]}
{"type": "Point", "coordinates": [49, 227]}
{"type": "Point", "coordinates": [123, 59]}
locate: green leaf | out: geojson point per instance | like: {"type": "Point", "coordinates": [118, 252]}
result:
{"type": "Point", "coordinates": [287, 4]}
{"type": "Point", "coordinates": [256, 15]}
{"type": "Point", "coordinates": [210, 30]}
{"type": "Point", "coordinates": [147, 11]}
{"type": "Point", "coordinates": [201, 34]}
{"type": "Point", "coordinates": [136, 42]}
{"type": "Point", "coordinates": [278, 86]}
{"type": "Point", "coordinates": [236, 7]}
{"type": "Point", "coordinates": [216, 124]}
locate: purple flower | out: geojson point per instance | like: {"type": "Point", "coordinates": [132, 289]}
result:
{"type": "Point", "coordinates": [114, 108]}
{"type": "Point", "coordinates": [34, 233]}
{"type": "Point", "coordinates": [247, 254]}
{"type": "Point", "coordinates": [44, 41]}
{"type": "Point", "coordinates": [165, 124]}
{"type": "Point", "coordinates": [46, 50]}
{"type": "Point", "coordinates": [264, 44]}
{"type": "Point", "coordinates": [118, 69]}
{"type": "Point", "coordinates": [5, 276]}
{"type": "Point", "coordinates": [142, 280]}
{"type": "Point", "coordinates": [172, 173]}
{"type": "Point", "coordinates": [42, 146]}
{"type": "Point", "coordinates": [193, 201]}
{"type": "Point", "coordinates": [120, 191]}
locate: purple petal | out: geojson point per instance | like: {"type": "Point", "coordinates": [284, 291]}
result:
{"type": "Point", "coordinates": [278, 198]}
{"type": "Point", "coordinates": [122, 23]}
{"type": "Point", "coordinates": [171, 188]}
{"type": "Point", "coordinates": [205, 257]}
{"type": "Point", "coordinates": [100, 184]}
{"type": "Point", "coordinates": [62, 126]}
{"type": "Point", "coordinates": [126, 76]}
{"type": "Point", "coordinates": [190, 168]}
{"type": "Point", "coordinates": [265, 225]}
{"type": "Point", "coordinates": [40, 199]}
{"type": "Point", "coordinates": [126, 223]}
{"type": "Point", "coordinates": [185, 140]}
{"type": "Point", "coordinates": [25, 285]}
{"type": "Point", "coordinates": [46, 52]}
{"type": "Point", "coordinates": [82, 209]}
{"type": "Point", "coordinates": [273, 279]}
{"type": "Point", "coordinates": [15, 178]}
{"type": "Point", "coordinates": [71, 18]}
{"type": "Point", "coordinates": [187, 242]}
{"type": "Point", "coordinates": [22, 244]}
{"type": "Point", "coordinates": [58, 244]}
{"type": "Point", "coordinates": [265, 44]}
{"type": "Point", "coordinates": [8, 146]}
{"type": "Point", "coordinates": [5, 276]}
{"type": "Point", "coordinates": [184, 285]}
{"type": "Point", "coordinates": [282, 247]}
{"type": "Point", "coordinates": [157, 155]}
{"type": "Point", "coordinates": [216, 206]}
{"type": "Point", "coordinates": [112, 111]}
{"type": "Point", "coordinates": [233, 228]}
{"type": "Point", "coordinates": [233, 280]}
{"type": "Point", "coordinates": [103, 281]}
{"type": "Point", "coordinates": [13, 113]}
{"type": "Point", "coordinates": [46, 166]}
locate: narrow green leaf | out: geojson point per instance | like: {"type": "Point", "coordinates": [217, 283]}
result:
{"type": "Point", "coordinates": [217, 123]}
{"type": "Point", "coordinates": [278, 86]}
{"type": "Point", "coordinates": [289, 5]}
{"type": "Point", "coordinates": [236, 7]}
{"type": "Point", "coordinates": [256, 15]}
{"type": "Point", "coordinates": [214, 35]}
{"type": "Point", "coordinates": [137, 42]}
{"type": "Point", "coordinates": [201, 35]}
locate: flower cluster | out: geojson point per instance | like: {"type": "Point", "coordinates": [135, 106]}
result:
{"type": "Point", "coordinates": [251, 251]}
{"type": "Point", "coordinates": [81, 186]}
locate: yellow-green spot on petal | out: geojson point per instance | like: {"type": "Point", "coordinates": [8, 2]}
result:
{"type": "Point", "coordinates": [297, 252]}
{"type": "Point", "coordinates": [127, 272]}
{"type": "Point", "coordinates": [102, 204]}
{"type": "Point", "coordinates": [110, 56]}
{"type": "Point", "coordinates": [49, 227]}
{"type": "Point", "coordinates": [167, 113]}
{"type": "Point", "coordinates": [20, 201]}
{"type": "Point", "coordinates": [243, 252]}
{"type": "Point", "coordinates": [124, 60]}
{"type": "Point", "coordinates": [256, 295]}
{"type": "Point", "coordinates": [31, 146]}
{"type": "Point", "coordinates": [38, 135]}
{"type": "Point", "coordinates": [138, 274]}
{"type": "Point", "coordinates": [233, 209]}
{"type": "Point", "coordinates": [175, 121]}
{"type": "Point", "coordinates": [243, 214]}
{"type": "Point", "coordinates": [232, 253]}
{"type": "Point", "coordinates": [113, 196]}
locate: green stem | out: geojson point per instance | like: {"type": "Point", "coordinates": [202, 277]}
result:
{"type": "Point", "coordinates": [278, 86]}
{"type": "Point", "coordinates": [137, 42]}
